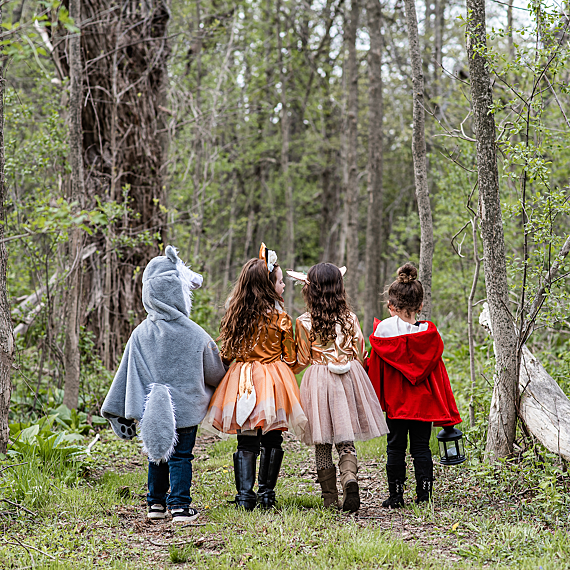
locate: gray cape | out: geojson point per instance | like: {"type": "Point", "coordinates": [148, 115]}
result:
{"type": "Point", "coordinates": [170, 367]}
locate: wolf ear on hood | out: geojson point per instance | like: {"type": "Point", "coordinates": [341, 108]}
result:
{"type": "Point", "coordinates": [172, 254]}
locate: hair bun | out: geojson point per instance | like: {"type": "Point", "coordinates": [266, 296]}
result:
{"type": "Point", "coordinates": [407, 273]}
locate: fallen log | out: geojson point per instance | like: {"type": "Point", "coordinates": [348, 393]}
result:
{"type": "Point", "coordinates": [544, 407]}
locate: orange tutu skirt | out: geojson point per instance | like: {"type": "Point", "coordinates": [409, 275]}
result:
{"type": "Point", "coordinates": [278, 402]}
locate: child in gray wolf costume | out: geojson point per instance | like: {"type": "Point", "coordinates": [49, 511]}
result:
{"type": "Point", "coordinates": [165, 381]}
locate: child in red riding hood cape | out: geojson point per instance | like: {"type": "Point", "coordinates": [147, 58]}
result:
{"type": "Point", "coordinates": [410, 379]}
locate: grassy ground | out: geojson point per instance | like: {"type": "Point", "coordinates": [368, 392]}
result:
{"type": "Point", "coordinates": [481, 517]}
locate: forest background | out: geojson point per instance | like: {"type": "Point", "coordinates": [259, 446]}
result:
{"type": "Point", "coordinates": [214, 125]}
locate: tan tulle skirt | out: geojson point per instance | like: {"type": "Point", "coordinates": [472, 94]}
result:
{"type": "Point", "coordinates": [277, 405]}
{"type": "Point", "coordinates": [340, 407]}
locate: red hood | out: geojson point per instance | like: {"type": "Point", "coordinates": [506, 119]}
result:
{"type": "Point", "coordinates": [414, 355]}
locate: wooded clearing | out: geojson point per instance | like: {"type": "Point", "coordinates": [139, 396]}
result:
{"type": "Point", "coordinates": [364, 133]}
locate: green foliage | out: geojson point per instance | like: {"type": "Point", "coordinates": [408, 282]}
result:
{"type": "Point", "coordinates": [40, 439]}
{"type": "Point", "coordinates": [537, 476]}
{"type": "Point", "coordinates": [204, 310]}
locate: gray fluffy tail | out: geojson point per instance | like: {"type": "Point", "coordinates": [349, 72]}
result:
{"type": "Point", "coordinates": [158, 424]}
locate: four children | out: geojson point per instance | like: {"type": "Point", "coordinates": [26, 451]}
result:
{"type": "Point", "coordinates": [171, 367]}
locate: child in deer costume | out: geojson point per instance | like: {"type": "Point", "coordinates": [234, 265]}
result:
{"type": "Point", "coordinates": [336, 393]}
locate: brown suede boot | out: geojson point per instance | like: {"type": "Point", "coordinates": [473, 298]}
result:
{"type": "Point", "coordinates": [327, 479]}
{"type": "Point", "coordinates": [348, 466]}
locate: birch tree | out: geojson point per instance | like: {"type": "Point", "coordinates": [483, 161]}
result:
{"type": "Point", "coordinates": [503, 413]}
{"type": "Point", "coordinates": [351, 196]}
{"type": "Point", "coordinates": [375, 165]}
{"type": "Point", "coordinates": [419, 157]}
{"type": "Point", "coordinates": [287, 183]}
{"type": "Point", "coordinates": [73, 289]}
{"type": "Point", "coordinates": [6, 337]}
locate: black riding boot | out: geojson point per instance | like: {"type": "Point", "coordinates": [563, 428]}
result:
{"type": "Point", "coordinates": [244, 471]}
{"type": "Point", "coordinates": [396, 477]}
{"type": "Point", "coordinates": [424, 480]}
{"type": "Point", "coordinates": [269, 465]}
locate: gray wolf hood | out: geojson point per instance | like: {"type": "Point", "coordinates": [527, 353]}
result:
{"type": "Point", "coordinates": [166, 349]}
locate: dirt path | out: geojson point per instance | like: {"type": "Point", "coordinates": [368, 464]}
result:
{"type": "Point", "coordinates": [421, 527]}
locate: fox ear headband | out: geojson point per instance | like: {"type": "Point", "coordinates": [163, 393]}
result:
{"type": "Point", "coordinates": [303, 276]}
{"type": "Point", "coordinates": [269, 256]}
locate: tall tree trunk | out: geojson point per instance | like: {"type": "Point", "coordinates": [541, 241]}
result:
{"type": "Point", "coordinates": [6, 337]}
{"type": "Point", "coordinates": [197, 195]}
{"type": "Point", "coordinates": [330, 197]}
{"type": "Point", "coordinates": [228, 274]}
{"type": "Point", "coordinates": [351, 202]}
{"type": "Point", "coordinates": [124, 152]}
{"type": "Point", "coordinates": [73, 282]}
{"type": "Point", "coordinates": [503, 413]}
{"type": "Point", "coordinates": [420, 159]}
{"type": "Point", "coordinates": [375, 166]}
{"type": "Point", "coordinates": [288, 184]}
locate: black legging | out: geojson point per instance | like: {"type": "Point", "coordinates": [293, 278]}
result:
{"type": "Point", "coordinates": [269, 440]}
{"type": "Point", "coordinates": [420, 433]}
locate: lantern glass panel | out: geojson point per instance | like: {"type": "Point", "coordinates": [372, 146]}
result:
{"type": "Point", "coordinates": [442, 449]}
{"type": "Point", "coordinates": [451, 450]}
{"type": "Point", "coordinates": [461, 448]}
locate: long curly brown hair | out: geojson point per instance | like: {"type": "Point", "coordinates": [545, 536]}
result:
{"type": "Point", "coordinates": [250, 304]}
{"type": "Point", "coordinates": [406, 293]}
{"type": "Point", "coordinates": [326, 300]}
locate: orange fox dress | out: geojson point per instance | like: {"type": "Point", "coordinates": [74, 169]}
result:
{"type": "Point", "coordinates": [269, 365]}
{"type": "Point", "coordinates": [336, 393]}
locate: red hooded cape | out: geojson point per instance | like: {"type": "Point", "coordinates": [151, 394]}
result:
{"type": "Point", "coordinates": [410, 379]}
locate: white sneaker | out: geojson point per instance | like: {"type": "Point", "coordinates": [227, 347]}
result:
{"type": "Point", "coordinates": [156, 512]}
{"type": "Point", "coordinates": [180, 515]}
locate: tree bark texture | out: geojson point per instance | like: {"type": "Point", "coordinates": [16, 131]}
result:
{"type": "Point", "coordinates": [125, 52]}
{"type": "Point", "coordinates": [197, 216]}
{"type": "Point", "coordinates": [287, 182]}
{"type": "Point", "coordinates": [351, 196]}
{"type": "Point", "coordinates": [420, 159]}
{"type": "Point", "coordinates": [6, 337]}
{"type": "Point", "coordinates": [375, 167]}
{"type": "Point", "coordinates": [72, 357]}
{"type": "Point", "coordinates": [503, 413]}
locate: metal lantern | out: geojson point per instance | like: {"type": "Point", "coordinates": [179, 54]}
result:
{"type": "Point", "coordinates": [451, 450]}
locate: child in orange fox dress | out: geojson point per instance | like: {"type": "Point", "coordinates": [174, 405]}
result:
{"type": "Point", "coordinates": [258, 398]}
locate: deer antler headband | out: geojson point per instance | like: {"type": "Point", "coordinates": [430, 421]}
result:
{"type": "Point", "coordinates": [303, 276]}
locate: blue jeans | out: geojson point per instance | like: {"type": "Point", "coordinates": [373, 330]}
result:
{"type": "Point", "coordinates": [178, 469]}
